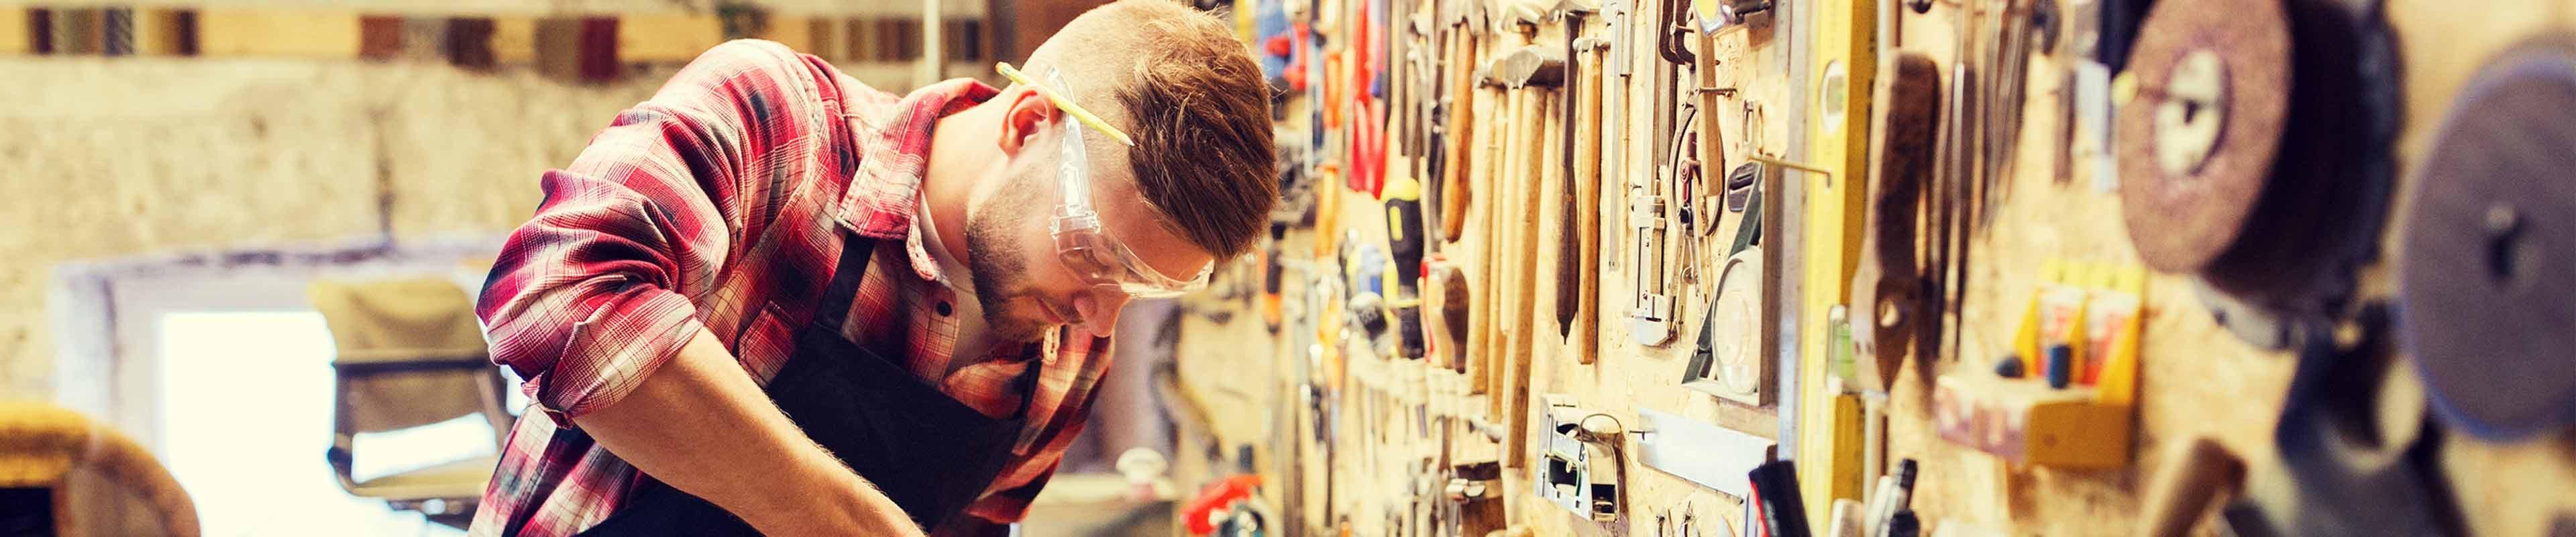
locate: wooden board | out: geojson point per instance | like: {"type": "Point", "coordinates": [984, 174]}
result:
{"type": "Point", "coordinates": [234, 31]}
{"type": "Point", "coordinates": [674, 38]}
{"type": "Point", "coordinates": [14, 38]}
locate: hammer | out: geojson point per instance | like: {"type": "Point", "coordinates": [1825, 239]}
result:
{"type": "Point", "coordinates": [1526, 69]}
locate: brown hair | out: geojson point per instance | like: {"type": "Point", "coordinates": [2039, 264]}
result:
{"type": "Point", "coordinates": [1199, 110]}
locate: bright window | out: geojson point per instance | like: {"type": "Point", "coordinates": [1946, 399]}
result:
{"type": "Point", "coordinates": [247, 411]}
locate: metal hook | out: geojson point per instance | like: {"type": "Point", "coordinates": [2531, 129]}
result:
{"type": "Point", "coordinates": [1829, 175]}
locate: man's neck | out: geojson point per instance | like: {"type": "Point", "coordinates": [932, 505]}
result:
{"type": "Point", "coordinates": [948, 179]}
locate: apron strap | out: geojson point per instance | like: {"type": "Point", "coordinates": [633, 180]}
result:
{"type": "Point", "coordinates": [856, 250]}
{"type": "Point", "coordinates": [834, 312]}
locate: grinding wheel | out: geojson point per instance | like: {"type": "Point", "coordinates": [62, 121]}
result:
{"type": "Point", "coordinates": [2255, 154]}
{"type": "Point", "coordinates": [2489, 271]}
{"type": "Point", "coordinates": [2197, 144]}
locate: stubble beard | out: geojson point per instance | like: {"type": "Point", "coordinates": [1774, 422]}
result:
{"type": "Point", "coordinates": [998, 270]}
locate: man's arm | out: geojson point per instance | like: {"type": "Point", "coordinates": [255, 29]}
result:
{"type": "Point", "coordinates": [589, 299]}
{"type": "Point", "coordinates": [699, 424]}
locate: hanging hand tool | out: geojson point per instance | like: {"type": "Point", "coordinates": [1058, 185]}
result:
{"type": "Point", "coordinates": [1614, 60]}
{"type": "Point", "coordinates": [1684, 174]}
{"type": "Point", "coordinates": [1463, 22]}
{"type": "Point", "coordinates": [1532, 71]}
{"type": "Point", "coordinates": [1270, 280]}
{"type": "Point", "coordinates": [1712, 140]}
{"type": "Point", "coordinates": [1730, 360]}
{"type": "Point", "coordinates": [1421, 108]}
{"type": "Point", "coordinates": [1888, 284]}
{"type": "Point", "coordinates": [1449, 308]}
{"type": "Point", "coordinates": [1483, 338]}
{"type": "Point", "coordinates": [1578, 239]}
{"type": "Point", "coordinates": [1403, 198]}
{"type": "Point", "coordinates": [2195, 472]}
{"type": "Point", "coordinates": [1651, 313]}
{"type": "Point", "coordinates": [1582, 460]}
{"type": "Point", "coordinates": [1362, 65]}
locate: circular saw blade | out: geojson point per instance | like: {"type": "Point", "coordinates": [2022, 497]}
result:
{"type": "Point", "coordinates": [2490, 250]}
{"type": "Point", "coordinates": [2183, 217]}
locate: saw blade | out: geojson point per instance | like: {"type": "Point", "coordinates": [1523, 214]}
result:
{"type": "Point", "coordinates": [2490, 249]}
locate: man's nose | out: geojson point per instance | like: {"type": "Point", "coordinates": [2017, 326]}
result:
{"type": "Point", "coordinates": [1099, 310]}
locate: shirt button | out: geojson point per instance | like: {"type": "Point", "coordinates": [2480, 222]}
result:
{"type": "Point", "coordinates": [944, 309]}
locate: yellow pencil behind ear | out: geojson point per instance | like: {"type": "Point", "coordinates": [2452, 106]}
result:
{"type": "Point", "coordinates": [1078, 113]}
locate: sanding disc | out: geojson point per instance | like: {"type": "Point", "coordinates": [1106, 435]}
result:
{"type": "Point", "coordinates": [2197, 143]}
{"type": "Point", "coordinates": [2487, 287]}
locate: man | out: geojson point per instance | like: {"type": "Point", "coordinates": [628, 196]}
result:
{"type": "Point", "coordinates": [775, 293]}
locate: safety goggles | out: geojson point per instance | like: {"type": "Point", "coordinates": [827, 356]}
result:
{"type": "Point", "coordinates": [1080, 241]}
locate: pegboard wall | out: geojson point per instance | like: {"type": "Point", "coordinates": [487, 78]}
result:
{"type": "Point", "coordinates": [1847, 214]}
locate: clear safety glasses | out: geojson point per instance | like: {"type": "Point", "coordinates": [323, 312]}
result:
{"type": "Point", "coordinates": [1085, 247]}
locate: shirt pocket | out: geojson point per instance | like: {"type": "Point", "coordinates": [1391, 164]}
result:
{"type": "Point", "coordinates": [764, 345]}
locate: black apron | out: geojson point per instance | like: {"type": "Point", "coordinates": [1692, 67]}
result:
{"type": "Point", "coordinates": [929, 453]}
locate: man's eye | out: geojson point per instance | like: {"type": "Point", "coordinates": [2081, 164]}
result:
{"type": "Point", "coordinates": [1089, 262]}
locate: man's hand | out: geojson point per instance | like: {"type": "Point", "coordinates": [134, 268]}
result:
{"type": "Point", "coordinates": [699, 424]}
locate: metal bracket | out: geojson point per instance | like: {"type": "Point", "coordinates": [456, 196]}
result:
{"type": "Point", "coordinates": [1712, 456]}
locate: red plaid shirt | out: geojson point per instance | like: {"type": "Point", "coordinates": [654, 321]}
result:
{"type": "Point", "coordinates": [718, 206]}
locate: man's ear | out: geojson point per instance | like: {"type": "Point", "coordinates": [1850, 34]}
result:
{"type": "Point", "coordinates": [1024, 116]}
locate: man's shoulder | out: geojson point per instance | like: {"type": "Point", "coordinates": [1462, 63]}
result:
{"type": "Point", "coordinates": [757, 66]}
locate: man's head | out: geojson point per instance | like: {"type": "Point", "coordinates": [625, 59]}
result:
{"type": "Point", "coordinates": [1196, 188]}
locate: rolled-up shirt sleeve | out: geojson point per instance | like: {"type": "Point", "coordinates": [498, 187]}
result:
{"type": "Point", "coordinates": [594, 292]}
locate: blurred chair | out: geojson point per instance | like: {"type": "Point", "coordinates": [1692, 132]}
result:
{"type": "Point", "coordinates": [63, 474]}
{"type": "Point", "coordinates": [410, 354]}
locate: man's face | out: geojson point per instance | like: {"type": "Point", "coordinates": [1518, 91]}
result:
{"type": "Point", "coordinates": [1022, 282]}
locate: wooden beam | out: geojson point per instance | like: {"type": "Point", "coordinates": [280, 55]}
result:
{"type": "Point", "coordinates": [859, 41]}
{"type": "Point", "coordinates": [14, 35]}
{"type": "Point", "coordinates": [380, 37]}
{"type": "Point", "coordinates": [578, 48]}
{"type": "Point", "coordinates": [514, 40]}
{"type": "Point", "coordinates": [829, 37]}
{"type": "Point", "coordinates": [78, 31]}
{"type": "Point", "coordinates": [666, 37]}
{"type": "Point", "coordinates": [469, 43]}
{"type": "Point", "coordinates": [40, 30]}
{"type": "Point", "coordinates": [165, 32]}
{"type": "Point", "coordinates": [794, 31]}
{"type": "Point", "coordinates": [560, 8]}
{"type": "Point", "coordinates": [116, 31]}
{"type": "Point", "coordinates": [233, 31]}
{"type": "Point", "coordinates": [599, 49]}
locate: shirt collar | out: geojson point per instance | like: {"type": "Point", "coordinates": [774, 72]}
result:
{"type": "Point", "coordinates": [893, 151]}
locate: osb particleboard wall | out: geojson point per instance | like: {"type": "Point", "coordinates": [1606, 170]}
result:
{"type": "Point", "coordinates": [2196, 380]}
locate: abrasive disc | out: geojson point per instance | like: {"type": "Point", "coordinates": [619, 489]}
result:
{"type": "Point", "coordinates": [2487, 284]}
{"type": "Point", "coordinates": [2197, 143]}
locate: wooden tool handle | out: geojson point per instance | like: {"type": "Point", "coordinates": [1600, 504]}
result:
{"type": "Point", "coordinates": [2192, 475]}
{"type": "Point", "coordinates": [1462, 127]}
